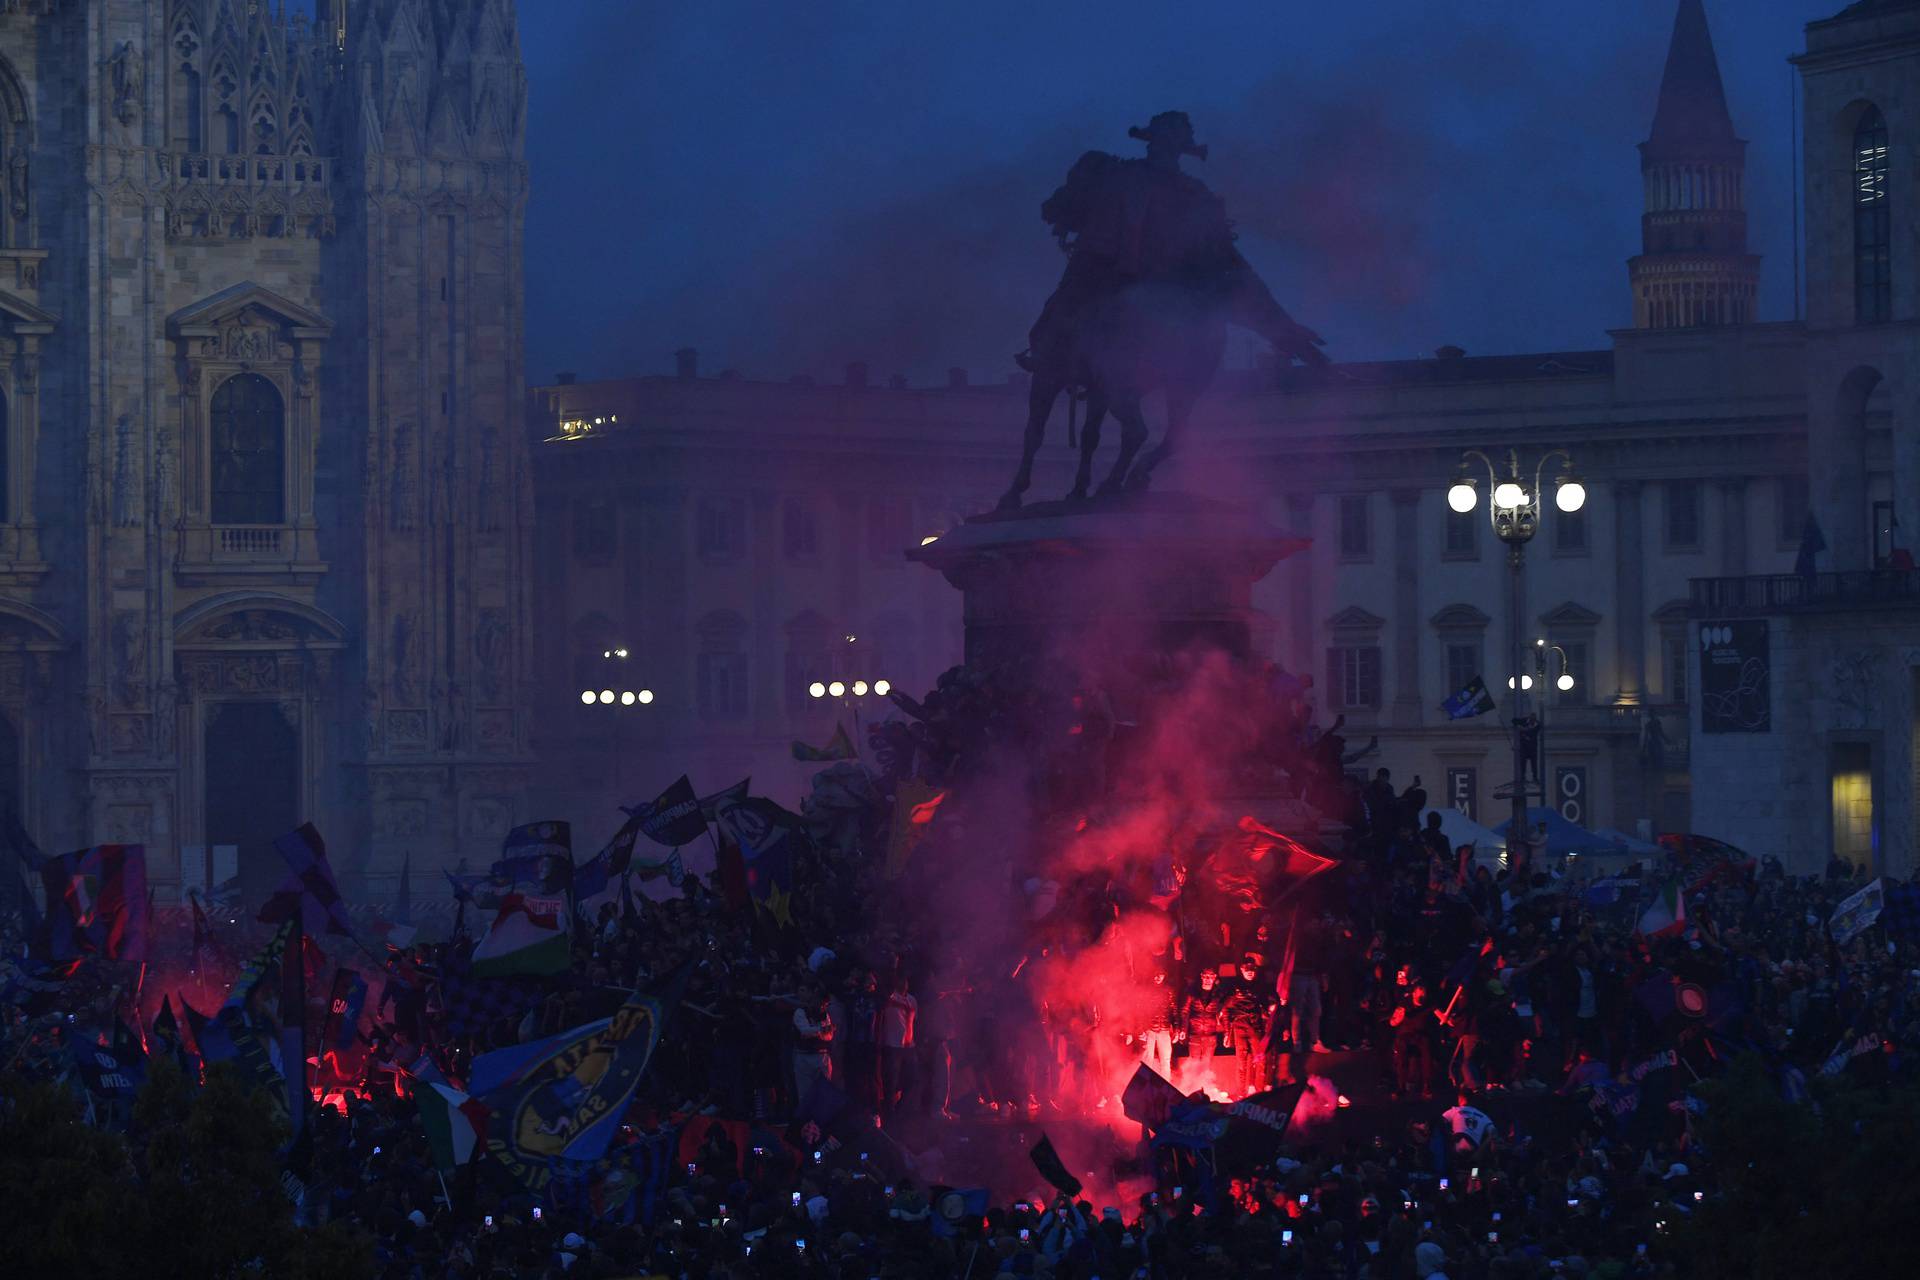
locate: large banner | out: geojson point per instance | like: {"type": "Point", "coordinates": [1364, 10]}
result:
{"type": "Point", "coordinates": [1570, 793]}
{"type": "Point", "coordinates": [1463, 791]}
{"type": "Point", "coordinates": [556, 1103]}
{"type": "Point", "coordinates": [1735, 677]}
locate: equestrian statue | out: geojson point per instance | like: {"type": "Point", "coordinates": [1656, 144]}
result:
{"type": "Point", "coordinates": [1152, 281]}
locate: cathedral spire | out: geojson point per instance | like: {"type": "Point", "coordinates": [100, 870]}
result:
{"type": "Point", "coordinates": [1693, 268]}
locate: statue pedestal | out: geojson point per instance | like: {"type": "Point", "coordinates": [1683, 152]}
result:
{"type": "Point", "coordinates": [1117, 596]}
{"type": "Point", "coordinates": [1104, 586]}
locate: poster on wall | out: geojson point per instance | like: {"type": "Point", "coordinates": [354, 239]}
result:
{"type": "Point", "coordinates": [1734, 677]}
{"type": "Point", "coordinates": [1463, 791]}
{"type": "Point", "coordinates": [1570, 792]}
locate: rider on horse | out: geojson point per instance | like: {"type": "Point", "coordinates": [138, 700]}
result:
{"type": "Point", "coordinates": [1123, 221]}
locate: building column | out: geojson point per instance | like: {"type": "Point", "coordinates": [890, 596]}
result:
{"type": "Point", "coordinates": [1406, 606]}
{"type": "Point", "coordinates": [1733, 527]}
{"type": "Point", "coordinates": [1300, 587]}
{"type": "Point", "coordinates": [1630, 605]}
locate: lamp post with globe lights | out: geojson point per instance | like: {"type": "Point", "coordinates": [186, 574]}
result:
{"type": "Point", "coordinates": [848, 693]}
{"type": "Point", "coordinates": [621, 699]}
{"type": "Point", "coordinates": [1514, 512]}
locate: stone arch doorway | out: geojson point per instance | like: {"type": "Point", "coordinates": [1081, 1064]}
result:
{"type": "Point", "coordinates": [252, 772]}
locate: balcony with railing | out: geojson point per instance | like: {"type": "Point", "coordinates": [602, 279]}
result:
{"type": "Point", "coordinates": [247, 543]}
{"type": "Point", "coordinates": [215, 555]}
{"type": "Point", "coordinates": [1760, 594]}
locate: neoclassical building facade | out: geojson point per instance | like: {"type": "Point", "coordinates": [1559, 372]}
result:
{"type": "Point", "coordinates": [262, 551]}
{"type": "Point", "coordinates": [740, 541]}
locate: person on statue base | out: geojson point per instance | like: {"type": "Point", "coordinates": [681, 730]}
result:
{"type": "Point", "coordinates": [813, 1040]}
{"type": "Point", "coordinates": [1414, 1026]}
{"type": "Point", "coordinates": [1435, 839]}
{"type": "Point", "coordinates": [1156, 1043]}
{"type": "Point", "coordinates": [1413, 801]}
{"type": "Point", "coordinates": [1306, 987]}
{"type": "Point", "coordinates": [1201, 1020]}
{"type": "Point", "coordinates": [860, 1047]}
{"type": "Point", "coordinates": [1246, 1014]}
{"type": "Point", "coordinates": [1383, 806]}
{"type": "Point", "coordinates": [897, 1019]}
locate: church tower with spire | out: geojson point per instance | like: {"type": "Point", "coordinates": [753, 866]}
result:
{"type": "Point", "coordinates": [1693, 268]}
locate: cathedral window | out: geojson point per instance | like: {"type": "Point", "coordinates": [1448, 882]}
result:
{"type": "Point", "coordinates": [1872, 223]}
{"type": "Point", "coordinates": [248, 435]}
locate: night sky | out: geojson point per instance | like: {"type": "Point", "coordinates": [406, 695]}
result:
{"type": "Point", "coordinates": [789, 187]}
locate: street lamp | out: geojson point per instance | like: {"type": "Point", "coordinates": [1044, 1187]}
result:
{"type": "Point", "coordinates": [625, 698]}
{"type": "Point", "coordinates": [1514, 514]}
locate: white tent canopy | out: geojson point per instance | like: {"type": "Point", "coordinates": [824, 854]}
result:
{"type": "Point", "coordinates": [1460, 829]}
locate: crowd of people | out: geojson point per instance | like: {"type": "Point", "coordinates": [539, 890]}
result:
{"type": "Point", "coordinates": [1529, 1061]}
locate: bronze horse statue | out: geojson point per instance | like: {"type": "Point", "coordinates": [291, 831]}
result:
{"type": "Point", "coordinates": [1152, 281]}
{"type": "Point", "coordinates": [1167, 335]}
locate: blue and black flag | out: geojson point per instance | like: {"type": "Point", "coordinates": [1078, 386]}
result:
{"type": "Point", "coordinates": [1474, 700]}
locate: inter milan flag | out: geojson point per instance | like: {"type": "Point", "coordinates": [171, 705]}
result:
{"type": "Point", "coordinates": [610, 864]}
{"type": "Point", "coordinates": [557, 1103]}
{"type": "Point", "coordinates": [250, 1020]}
{"type": "Point", "coordinates": [1474, 700]}
{"type": "Point", "coordinates": [308, 891]}
{"type": "Point", "coordinates": [838, 747]}
{"type": "Point", "coordinates": [1052, 1168]}
{"type": "Point", "coordinates": [166, 1031]}
{"type": "Point", "coordinates": [537, 857]}
{"type": "Point", "coordinates": [115, 1071]}
{"type": "Point", "coordinates": [97, 903]}
{"type": "Point", "coordinates": [675, 817]}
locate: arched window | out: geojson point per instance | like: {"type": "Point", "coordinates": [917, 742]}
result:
{"type": "Point", "coordinates": [248, 433]}
{"type": "Point", "coordinates": [1872, 223]}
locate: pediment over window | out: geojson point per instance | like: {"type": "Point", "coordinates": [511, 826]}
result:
{"type": "Point", "coordinates": [1354, 618]}
{"type": "Point", "coordinates": [1461, 617]}
{"type": "Point", "coordinates": [1570, 617]}
{"type": "Point", "coordinates": [243, 306]}
{"type": "Point", "coordinates": [22, 316]}
{"type": "Point", "coordinates": [1673, 611]}
{"type": "Point", "coordinates": [250, 618]}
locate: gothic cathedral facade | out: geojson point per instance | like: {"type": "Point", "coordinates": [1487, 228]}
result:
{"type": "Point", "coordinates": [263, 484]}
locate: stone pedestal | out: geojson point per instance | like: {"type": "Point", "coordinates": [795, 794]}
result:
{"type": "Point", "coordinates": [1109, 590]}
{"type": "Point", "coordinates": [1118, 596]}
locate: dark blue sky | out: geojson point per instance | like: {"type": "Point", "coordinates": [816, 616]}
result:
{"type": "Point", "coordinates": [792, 186]}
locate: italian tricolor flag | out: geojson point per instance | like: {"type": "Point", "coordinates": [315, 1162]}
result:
{"type": "Point", "coordinates": [529, 936]}
{"type": "Point", "coordinates": [455, 1123]}
{"type": "Point", "coordinates": [1666, 914]}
